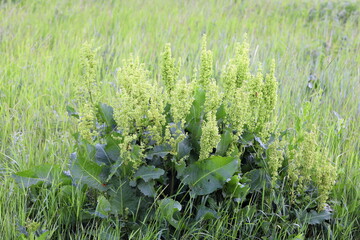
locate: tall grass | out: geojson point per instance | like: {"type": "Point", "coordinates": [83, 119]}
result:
{"type": "Point", "coordinates": [39, 65]}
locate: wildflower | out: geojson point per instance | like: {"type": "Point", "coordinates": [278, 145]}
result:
{"type": "Point", "coordinates": [86, 124]}
{"type": "Point", "coordinates": [269, 93]}
{"type": "Point", "coordinates": [131, 154]}
{"type": "Point", "coordinates": [213, 97]}
{"type": "Point", "coordinates": [254, 88]}
{"type": "Point", "coordinates": [242, 62]}
{"type": "Point", "coordinates": [210, 136]}
{"type": "Point", "coordinates": [325, 177]}
{"type": "Point", "coordinates": [181, 100]}
{"type": "Point", "coordinates": [274, 159]}
{"type": "Point", "coordinates": [87, 93]}
{"type": "Point", "coordinates": [88, 88]}
{"type": "Point", "coordinates": [140, 105]}
{"type": "Point", "coordinates": [206, 60]}
{"type": "Point", "coordinates": [229, 80]}
{"type": "Point", "coordinates": [168, 70]}
{"type": "Point", "coordinates": [238, 110]}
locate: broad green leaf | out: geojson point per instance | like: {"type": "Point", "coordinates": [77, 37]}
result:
{"type": "Point", "coordinates": [194, 118]}
{"type": "Point", "coordinates": [315, 217]}
{"type": "Point", "coordinates": [184, 148]}
{"type": "Point", "coordinates": [236, 189]}
{"type": "Point", "coordinates": [161, 151]}
{"type": "Point", "coordinates": [258, 179]}
{"type": "Point", "coordinates": [209, 175]}
{"type": "Point", "coordinates": [84, 170]}
{"type": "Point", "coordinates": [101, 155]}
{"type": "Point", "coordinates": [107, 153]}
{"type": "Point", "coordinates": [106, 114]}
{"type": "Point", "coordinates": [168, 207]}
{"type": "Point", "coordinates": [198, 105]}
{"type": "Point", "coordinates": [114, 169]}
{"type": "Point", "coordinates": [220, 113]}
{"type": "Point", "coordinates": [45, 173]}
{"type": "Point", "coordinates": [147, 188]}
{"type": "Point", "coordinates": [148, 173]}
{"type": "Point", "coordinates": [247, 138]}
{"type": "Point", "coordinates": [298, 237]}
{"type": "Point", "coordinates": [180, 167]}
{"type": "Point", "coordinates": [205, 213]}
{"type": "Point", "coordinates": [124, 197]}
{"type": "Point", "coordinates": [223, 145]}
{"type": "Point", "coordinates": [103, 207]}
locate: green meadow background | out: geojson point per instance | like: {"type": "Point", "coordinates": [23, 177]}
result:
{"type": "Point", "coordinates": [316, 45]}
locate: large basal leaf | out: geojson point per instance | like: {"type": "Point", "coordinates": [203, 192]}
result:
{"type": "Point", "coordinates": [205, 213]}
{"type": "Point", "coordinates": [103, 207]}
{"type": "Point", "coordinates": [223, 145]}
{"type": "Point", "coordinates": [45, 173]}
{"type": "Point", "coordinates": [319, 217]}
{"type": "Point", "coordinates": [236, 189]}
{"type": "Point", "coordinates": [147, 188]}
{"type": "Point", "coordinates": [194, 118]}
{"type": "Point", "coordinates": [209, 175]}
{"type": "Point", "coordinates": [313, 217]}
{"type": "Point", "coordinates": [148, 173]}
{"type": "Point", "coordinates": [258, 179]}
{"type": "Point", "coordinates": [198, 105]}
{"type": "Point", "coordinates": [168, 207]}
{"type": "Point", "coordinates": [124, 197]}
{"type": "Point", "coordinates": [107, 153]}
{"type": "Point", "coordinates": [106, 114]}
{"type": "Point", "coordinates": [184, 148]}
{"type": "Point", "coordinates": [160, 151]}
{"type": "Point", "coordinates": [85, 170]}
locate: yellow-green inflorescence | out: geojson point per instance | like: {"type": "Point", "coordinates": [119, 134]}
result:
{"type": "Point", "coordinates": [242, 63]}
{"type": "Point", "coordinates": [140, 107]}
{"type": "Point", "coordinates": [210, 136]}
{"type": "Point", "coordinates": [275, 158]}
{"type": "Point", "coordinates": [310, 165]}
{"type": "Point", "coordinates": [269, 93]}
{"type": "Point", "coordinates": [254, 88]}
{"type": "Point", "coordinates": [249, 100]}
{"type": "Point", "coordinates": [181, 99]}
{"type": "Point", "coordinates": [87, 93]}
{"type": "Point", "coordinates": [169, 70]}
{"type": "Point", "coordinates": [236, 99]}
{"type": "Point", "coordinates": [206, 65]}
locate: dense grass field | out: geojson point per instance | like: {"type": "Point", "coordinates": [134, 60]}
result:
{"type": "Point", "coordinates": [316, 45]}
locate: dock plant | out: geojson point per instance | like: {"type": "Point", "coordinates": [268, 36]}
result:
{"type": "Point", "coordinates": [184, 145]}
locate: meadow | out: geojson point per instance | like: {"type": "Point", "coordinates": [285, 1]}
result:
{"type": "Point", "coordinates": [316, 48]}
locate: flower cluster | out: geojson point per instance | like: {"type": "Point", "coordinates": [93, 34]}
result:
{"type": "Point", "coordinates": [210, 136]}
{"type": "Point", "coordinates": [205, 117]}
{"type": "Point", "coordinates": [242, 63]}
{"type": "Point", "coordinates": [181, 99]}
{"type": "Point", "coordinates": [206, 61]}
{"type": "Point", "coordinates": [140, 106]}
{"type": "Point", "coordinates": [308, 165]}
{"type": "Point", "coordinates": [87, 93]}
{"type": "Point", "coordinates": [169, 71]}
{"type": "Point", "coordinates": [275, 158]}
